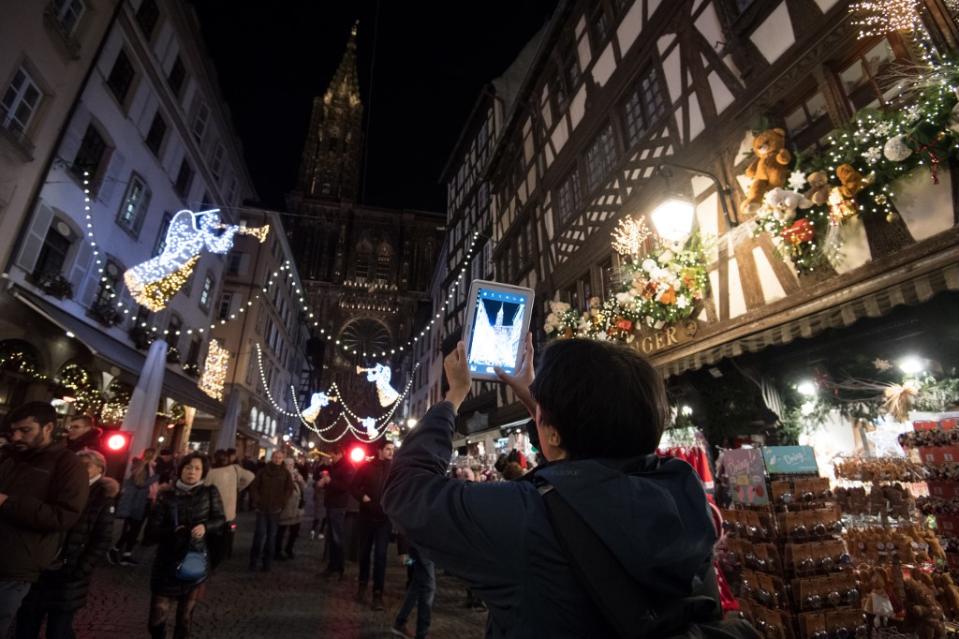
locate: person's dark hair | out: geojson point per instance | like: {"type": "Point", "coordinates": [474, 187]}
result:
{"type": "Point", "coordinates": [221, 458]}
{"type": "Point", "coordinates": [204, 460]}
{"type": "Point", "coordinates": [86, 419]}
{"type": "Point", "coordinates": [512, 471]}
{"type": "Point", "coordinates": [604, 399]}
{"type": "Point", "coordinates": [42, 412]}
{"type": "Point", "coordinates": [166, 451]}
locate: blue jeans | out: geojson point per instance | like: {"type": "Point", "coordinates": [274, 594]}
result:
{"type": "Point", "coordinates": [336, 517]}
{"type": "Point", "coordinates": [264, 538]}
{"type": "Point", "coordinates": [11, 596]}
{"type": "Point", "coordinates": [373, 536]}
{"type": "Point", "coordinates": [420, 593]}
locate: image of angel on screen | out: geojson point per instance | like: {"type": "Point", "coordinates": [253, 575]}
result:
{"type": "Point", "coordinates": [154, 282]}
{"type": "Point", "coordinates": [495, 342]}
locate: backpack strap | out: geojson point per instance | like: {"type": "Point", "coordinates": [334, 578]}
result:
{"type": "Point", "coordinates": [623, 604]}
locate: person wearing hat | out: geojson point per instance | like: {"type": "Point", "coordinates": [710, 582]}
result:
{"type": "Point", "coordinates": [63, 586]}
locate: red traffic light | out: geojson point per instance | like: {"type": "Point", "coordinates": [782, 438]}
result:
{"type": "Point", "coordinates": [357, 455]}
{"type": "Point", "coordinates": [117, 442]}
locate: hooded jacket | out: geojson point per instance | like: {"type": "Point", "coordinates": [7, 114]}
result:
{"type": "Point", "coordinates": [64, 585]}
{"type": "Point", "coordinates": [46, 492]}
{"type": "Point", "coordinates": [498, 537]}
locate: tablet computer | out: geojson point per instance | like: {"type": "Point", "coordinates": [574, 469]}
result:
{"type": "Point", "coordinates": [497, 320]}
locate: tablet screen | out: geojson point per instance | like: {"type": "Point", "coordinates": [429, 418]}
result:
{"type": "Point", "coordinates": [497, 330]}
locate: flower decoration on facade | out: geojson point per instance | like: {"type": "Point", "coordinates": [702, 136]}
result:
{"type": "Point", "coordinates": [630, 236]}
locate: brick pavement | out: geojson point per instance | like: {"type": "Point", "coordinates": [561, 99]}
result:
{"type": "Point", "coordinates": [289, 602]}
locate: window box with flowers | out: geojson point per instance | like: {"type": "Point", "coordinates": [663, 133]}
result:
{"type": "Point", "coordinates": [54, 284]}
{"type": "Point", "coordinates": [106, 314]}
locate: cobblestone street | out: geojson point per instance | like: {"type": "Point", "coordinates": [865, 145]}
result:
{"type": "Point", "coordinates": [290, 601]}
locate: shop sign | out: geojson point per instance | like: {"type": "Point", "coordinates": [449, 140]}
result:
{"type": "Point", "coordinates": [790, 460]}
{"type": "Point", "coordinates": [653, 342]}
{"type": "Point", "coordinates": [747, 476]}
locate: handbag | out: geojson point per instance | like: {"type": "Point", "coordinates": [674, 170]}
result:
{"type": "Point", "coordinates": [193, 567]}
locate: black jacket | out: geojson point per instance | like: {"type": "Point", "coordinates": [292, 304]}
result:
{"type": "Point", "coordinates": [63, 587]}
{"type": "Point", "coordinates": [370, 480]}
{"type": "Point", "coordinates": [46, 492]}
{"type": "Point", "coordinates": [202, 505]}
{"type": "Point", "coordinates": [337, 492]}
{"type": "Point", "coordinates": [654, 518]}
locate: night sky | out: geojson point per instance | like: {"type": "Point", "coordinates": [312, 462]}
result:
{"type": "Point", "coordinates": [431, 61]}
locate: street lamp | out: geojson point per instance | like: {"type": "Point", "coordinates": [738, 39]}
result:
{"type": "Point", "coordinates": [673, 218]}
{"type": "Point", "coordinates": [911, 365]}
{"type": "Point", "coordinates": [411, 422]}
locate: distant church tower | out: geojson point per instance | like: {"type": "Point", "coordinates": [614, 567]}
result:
{"type": "Point", "coordinates": [330, 167]}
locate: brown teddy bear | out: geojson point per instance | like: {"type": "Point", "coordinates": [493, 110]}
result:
{"type": "Point", "coordinates": [948, 594]}
{"type": "Point", "coordinates": [768, 169]}
{"type": "Point", "coordinates": [819, 193]}
{"type": "Point", "coordinates": [852, 180]}
{"type": "Point", "coordinates": [923, 613]}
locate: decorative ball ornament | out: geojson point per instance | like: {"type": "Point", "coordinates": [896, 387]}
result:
{"type": "Point", "coordinates": [896, 149]}
{"type": "Point", "coordinates": [892, 216]}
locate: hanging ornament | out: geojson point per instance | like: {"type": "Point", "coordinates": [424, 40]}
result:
{"type": "Point", "coordinates": [154, 282]}
{"type": "Point", "coordinates": [797, 180]}
{"type": "Point", "coordinates": [214, 370]}
{"type": "Point", "coordinates": [370, 425]}
{"type": "Point", "coordinates": [881, 17]}
{"type": "Point", "coordinates": [892, 216]}
{"type": "Point", "coordinates": [380, 375]}
{"type": "Point", "coordinates": [318, 402]}
{"type": "Point", "coordinates": [802, 230]}
{"type": "Point", "coordinates": [629, 236]}
{"type": "Point", "coordinates": [896, 149]}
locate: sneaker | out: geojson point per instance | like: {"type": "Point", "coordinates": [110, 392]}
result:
{"type": "Point", "coordinates": [113, 556]}
{"type": "Point", "coordinates": [377, 603]}
{"type": "Point", "coordinates": [401, 631]}
{"type": "Point", "coordinates": [128, 560]}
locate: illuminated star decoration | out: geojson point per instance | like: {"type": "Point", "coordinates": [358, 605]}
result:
{"type": "Point", "coordinates": [881, 17]}
{"type": "Point", "coordinates": [318, 402]}
{"type": "Point", "coordinates": [214, 370]}
{"type": "Point", "coordinates": [154, 282]}
{"type": "Point", "coordinates": [370, 425]}
{"type": "Point", "coordinates": [797, 180]}
{"type": "Point", "coordinates": [629, 236]}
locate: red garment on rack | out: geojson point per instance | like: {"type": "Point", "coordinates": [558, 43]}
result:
{"type": "Point", "coordinates": [695, 457]}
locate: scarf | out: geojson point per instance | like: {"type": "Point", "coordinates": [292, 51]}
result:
{"type": "Point", "coordinates": [180, 485]}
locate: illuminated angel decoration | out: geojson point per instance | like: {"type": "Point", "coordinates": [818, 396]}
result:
{"type": "Point", "coordinates": [381, 375]}
{"type": "Point", "coordinates": [318, 402]}
{"type": "Point", "coordinates": [154, 282]}
{"type": "Point", "coordinates": [370, 424]}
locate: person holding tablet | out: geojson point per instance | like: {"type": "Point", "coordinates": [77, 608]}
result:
{"type": "Point", "coordinates": [599, 410]}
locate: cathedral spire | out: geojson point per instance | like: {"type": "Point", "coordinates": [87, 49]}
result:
{"type": "Point", "coordinates": [330, 167]}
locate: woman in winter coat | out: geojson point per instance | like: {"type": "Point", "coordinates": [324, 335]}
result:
{"type": "Point", "coordinates": [291, 516]}
{"type": "Point", "coordinates": [62, 588]}
{"type": "Point", "coordinates": [184, 516]}
{"type": "Point", "coordinates": [229, 479]}
{"type": "Point", "coordinates": [139, 491]}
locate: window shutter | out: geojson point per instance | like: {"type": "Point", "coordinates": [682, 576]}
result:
{"type": "Point", "coordinates": [71, 141]}
{"type": "Point", "coordinates": [81, 267]}
{"type": "Point", "coordinates": [34, 239]}
{"type": "Point", "coordinates": [111, 177]}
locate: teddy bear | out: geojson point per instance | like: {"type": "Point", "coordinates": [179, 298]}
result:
{"type": "Point", "coordinates": [819, 191]}
{"type": "Point", "coordinates": [948, 594]}
{"type": "Point", "coordinates": [852, 180]}
{"type": "Point", "coordinates": [923, 612]}
{"type": "Point", "coordinates": [769, 168]}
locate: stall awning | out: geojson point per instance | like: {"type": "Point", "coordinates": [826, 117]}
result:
{"type": "Point", "coordinates": [873, 304]}
{"type": "Point", "coordinates": [179, 387]}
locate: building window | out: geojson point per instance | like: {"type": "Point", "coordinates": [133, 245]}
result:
{"type": "Point", "coordinates": [90, 154]}
{"type": "Point", "coordinates": [866, 81]}
{"type": "Point", "coordinates": [53, 254]}
{"type": "Point", "coordinates": [20, 102]}
{"type": "Point", "coordinates": [216, 161]}
{"type": "Point", "coordinates": [809, 122]}
{"type": "Point", "coordinates": [173, 330]}
{"type": "Point", "coordinates": [568, 196]}
{"type": "Point", "coordinates": [384, 261]}
{"type": "Point", "coordinates": [608, 277]}
{"type": "Point", "coordinates": [68, 14]}
{"type": "Point", "coordinates": [160, 244]}
{"type": "Point", "coordinates": [645, 104]}
{"type": "Point", "coordinates": [569, 62]}
{"type": "Point", "coordinates": [600, 158]}
{"type": "Point", "coordinates": [231, 192]}
{"type": "Point", "coordinates": [142, 316]}
{"type": "Point", "coordinates": [134, 206]}
{"type": "Point", "coordinates": [233, 265]}
{"type": "Point", "coordinates": [156, 134]}
{"type": "Point", "coordinates": [200, 121]}
{"type": "Point", "coordinates": [207, 201]}
{"type": "Point", "coordinates": [184, 179]}
{"type": "Point", "coordinates": [109, 285]}
{"type": "Point", "coordinates": [223, 308]}
{"type": "Point", "coordinates": [364, 255]}
{"type": "Point", "coordinates": [177, 76]}
{"type": "Point", "coordinates": [147, 17]}
{"type": "Point", "coordinates": [206, 293]}
{"type": "Point", "coordinates": [560, 97]}
{"type": "Point", "coordinates": [193, 355]}
{"type": "Point", "coordinates": [600, 25]}
{"type": "Point", "coordinates": [121, 77]}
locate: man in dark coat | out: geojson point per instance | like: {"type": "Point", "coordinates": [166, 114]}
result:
{"type": "Point", "coordinates": [270, 491]}
{"type": "Point", "coordinates": [374, 527]}
{"type": "Point", "coordinates": [43, 490]}
{"type": "Point", "coordinates": [62, 589]}
{"type": "Point", "coordinates": [599, 410]}
{"type": "Point", "coordinates": [337, 486]}
{"type": "Point", "coordinates": [82, 433]}
{"type": "Point", "coordinates": [166, 467]}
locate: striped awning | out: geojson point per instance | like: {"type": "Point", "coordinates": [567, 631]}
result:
{"type": "Point", "coordinates": [846, 313]}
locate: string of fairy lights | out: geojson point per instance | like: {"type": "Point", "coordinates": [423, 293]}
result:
{"type": "Point", "coordinates": [369, 424]}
